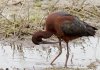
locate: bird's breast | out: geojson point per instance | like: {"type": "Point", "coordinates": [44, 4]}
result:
{"type": "Point", "coordinates": [69, 38]}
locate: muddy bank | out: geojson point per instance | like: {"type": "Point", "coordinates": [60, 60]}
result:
{"type": "Point", "coordinates": [18, 17]}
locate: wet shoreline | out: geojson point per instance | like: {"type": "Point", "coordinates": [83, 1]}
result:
{"type": "Point", "coordinates": [22, 54]}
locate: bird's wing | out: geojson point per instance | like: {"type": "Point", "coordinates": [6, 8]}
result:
{"type": "Point", "coordinates": [75, 27]}
{"type": "Point", "coordinates": [87, 25]}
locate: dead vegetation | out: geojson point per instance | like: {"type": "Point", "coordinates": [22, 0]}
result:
{"type": "Point", "coordinates": [22, 17]}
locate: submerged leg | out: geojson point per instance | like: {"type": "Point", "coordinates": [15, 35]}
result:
{"type": "Point", "coordinates": [60, 51]}
{"type": "Point", "coordinates": [67, 55]}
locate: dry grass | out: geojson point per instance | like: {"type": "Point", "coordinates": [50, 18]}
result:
{"type": "Point", "coordinates": [23, 17]}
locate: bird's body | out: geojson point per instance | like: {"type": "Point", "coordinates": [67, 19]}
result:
{"type": "Point", "coordinates": [66, 27]}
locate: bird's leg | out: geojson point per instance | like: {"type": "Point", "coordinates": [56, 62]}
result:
{"type": "Point", "coordinates": [67, 55]}
{"type": "Point", "coordinates": [60, 51]}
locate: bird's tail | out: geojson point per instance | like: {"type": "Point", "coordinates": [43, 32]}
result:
{"type": "Point", "coordinates": [91, 30]}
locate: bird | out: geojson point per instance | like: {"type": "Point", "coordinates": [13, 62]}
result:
{"type": "Point", "coordinates": [65, 27]}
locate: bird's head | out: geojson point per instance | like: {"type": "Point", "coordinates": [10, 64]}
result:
{"type": "Point", "coordinates": [37, 37]}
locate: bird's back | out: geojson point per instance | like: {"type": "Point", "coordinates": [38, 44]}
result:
{"type": "Point", "coordinates": [51, 19]}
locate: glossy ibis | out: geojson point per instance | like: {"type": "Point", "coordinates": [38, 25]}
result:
{"type": "Point", "coordinates": [66, 27]}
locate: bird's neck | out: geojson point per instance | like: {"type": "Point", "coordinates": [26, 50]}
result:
{"type": "Point", "coordinates": [45, 34]}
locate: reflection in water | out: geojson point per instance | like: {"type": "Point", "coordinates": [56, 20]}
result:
{"type": "Point", "coordinates": [18, 55]}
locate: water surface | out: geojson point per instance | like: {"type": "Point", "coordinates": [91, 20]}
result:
{"type": "Point", "coordinates": [83, 54]}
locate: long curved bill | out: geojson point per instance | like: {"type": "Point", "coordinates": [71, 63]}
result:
{"type": "Point", "coordinates": [47, 42]}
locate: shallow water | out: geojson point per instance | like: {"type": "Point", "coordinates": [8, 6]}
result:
{"type": "Point", "coordinates": [20, 56]}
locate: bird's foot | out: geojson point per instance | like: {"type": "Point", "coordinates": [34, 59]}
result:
{"type": "Point", "coordinates": [52, 64]}
{"type": "Point", "coordinates": [65, 66]}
